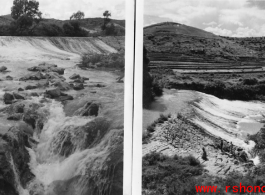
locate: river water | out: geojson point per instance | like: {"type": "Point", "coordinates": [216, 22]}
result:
{"type": "Point", "coordinates": [78, 167]}
{"type": "Point", "coordinates": [230, 120]}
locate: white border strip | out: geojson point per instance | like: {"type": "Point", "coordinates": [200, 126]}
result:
{"type": "Point", "coordinates": [128, 97]}
{"type": "Point", "coordinates": [138, 108]}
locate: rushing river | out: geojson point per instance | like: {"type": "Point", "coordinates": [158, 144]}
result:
{"type": "Point", "coordinates": [74, 155]}
{"type": "Point", "coordinates": [230, 120]}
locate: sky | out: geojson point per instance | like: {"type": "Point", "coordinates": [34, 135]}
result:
{"type": "Point", "coordinates": [236, 18]}
{"type": "Point", "coordinates": [63, 9]}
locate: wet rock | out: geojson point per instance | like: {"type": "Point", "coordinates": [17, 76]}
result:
{"type": "Point", "coordinates": [3, 68]}
{"type": "Point", "coordinates": [54, 76]}
{"type": "Point", "coordinates": [34, 76]}
{"type": "Point", "coordinates": [9, 78]}
{"type": "Point", "coordinates": [100, 85]}
{"type": "Point", "coordinates": [20, 89]}
{"type": "Point", "coordinates": [8, 98]}
{"type": "Point", "coordinates": [62, 85]}
{"type": "Point", "coordinates": [18, 96]}
{"type": "Point", "coordinates": [45, 67]}
{"type": "Point", "coordinates": [53, 93]}
{"type": "Point", "coordinates": [13, 152]}
{"type": "Point", "coordinates": [29, 87]}
{"type": "Point", "coordinates": [64, 98]}
{"type": "Point", "coordinates": [80, 80]}
{"type": "Point", "coordinates": [78, 86]}
{"type": "Point", "coordinates": [75, 76]}
{"type": "Point", "coordinates": [15, 117]}
{"type": "Point", "coordinates": [34, 94]}
{"type": "Point", "coordinates": [90, 109]}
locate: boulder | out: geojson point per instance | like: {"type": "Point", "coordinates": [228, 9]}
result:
{"type": "Point", "coordinates": [18, 96]}
{"type": "Point", "coordinates": [85, 78]}
{"type": "Point", "coordinates": [9, 78]}
{"type": "Point", "coordinates": [78, 86]}
{"type": "Point", "coordinates": [8, 98]}
{"type": "Point", "coordinates": [20, 89]}
{"type": "Point", "coordinates": [13, 149]}
{"type": "Point", "coordinates": [62, 85]}
{"type": "Point", "coordinates": [75, 76]}
{"type": "Point", "coordinates": [90, 109]}
{"type": "Point", "coordinates": [34, 76]}
{"type": "Point", "coordinates": [80, 80]}
{"type": "Point", "coordinates": [34, 94]}
{"type": "Point", "coordinates": [53, 92]}
{"type": "Point", "coordinates": [3, 68]}
{"type": "Point", "coordinates": [60, 71]}
{"type": "Point", "coordinates": [100, 85]}
{"type": "Point", "coordinates": [29, 87]}
{"type": "Point", "coordinates": [54, 76]}
{"type": "Point", "coordinates": [64, 98]}
{"type": "Point", "coordinates": [15, 117]}
{"type": "Point", "coordinates": [46, 67]}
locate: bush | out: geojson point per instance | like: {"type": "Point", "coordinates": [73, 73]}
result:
{"type": "Point", "coordinates": [52, 30]}
{"type": "Point", "coordinates": [73, 29]}
{"type": "Point", "coordinates": [170, 175]}
{"type": "Point", "coordinates": [250, 81]}
{"type": "Point", "coordinates": [113, 60]}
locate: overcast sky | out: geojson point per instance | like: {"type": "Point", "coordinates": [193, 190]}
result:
{"type": "Point", "coordinates": [222, 17]}
{"type": "Point", "coordinates": [63, 9]}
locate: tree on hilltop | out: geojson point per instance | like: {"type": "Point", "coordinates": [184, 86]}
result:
{"type": "Point", "coordinates": [26, 15]}
{"type": "Point", "coordinates": [77, 16]}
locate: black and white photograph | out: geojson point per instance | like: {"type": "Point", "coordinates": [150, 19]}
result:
{"type": "Point", "coordinates": [203, 97]}
{"type": "Point", "coordinates": [62, 67]}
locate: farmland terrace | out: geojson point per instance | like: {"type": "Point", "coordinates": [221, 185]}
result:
{"type": "Point", "coordinates": [190, 50]}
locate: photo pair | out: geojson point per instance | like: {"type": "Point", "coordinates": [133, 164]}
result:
{"type": "Point", "coordinates": [132, 97]}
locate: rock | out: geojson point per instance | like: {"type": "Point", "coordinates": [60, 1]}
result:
{"type": "Point", "coordinates": [20, 89]}
{"type": "Point", "coordinates": [60, 71]}
{"type": "Point", "coordinates": [62, 85]}
{"type": "Point", "coordinates": [78, 86]}
{"type": "Point", "coordinates": [34, 94]}
{"type": "Point", "coordinates": [45, 67]}
{"type": "Point", "coordinates": [13, 149]}
{"type": "Point", "coordinates": [90, 109]}
{"type": "Point", "coordinates": [18, 96]}
{"type": "Point", "coordinates": [9, 78]}
{"type": "Point", "coordinates": [85, 78]}
{"type": "Point", "coordinates": [15, 117]}
{"type": "Point", "coordinates": [8, 98]}
{"type": "Point", "coordinates": [80, 80]}
{"type": "Point", "coordinates": [100, 85]}
{"type": "Point", "coordinates": [75, 76]}
{"type": "Point", "coordinates": [29, 87]}
{"type": "Point", "coordinates": [34, 76]}
{"type": "Point", "coordinates": [53, 93]}
{"type": "Point", "coordinates": [54, 76]}
{"type": "Point", "coordinates": [64, 98]}
{"type": "Point", "coordinates": [3, 68]}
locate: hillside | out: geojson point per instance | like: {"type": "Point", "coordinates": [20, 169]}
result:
{"type": "Point", "coordinates": [171, 43]}
{"type": "Point", "coordinates": [54, 27]}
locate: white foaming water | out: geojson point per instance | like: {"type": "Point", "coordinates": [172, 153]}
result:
{"type": "Point", "coordinates": [230, 120]}
{"type": "Point", "coordinates": [47, 166]}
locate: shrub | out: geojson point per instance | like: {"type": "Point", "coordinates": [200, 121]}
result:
{"type": "Point", "coordinates": [73, 29]}
{"type": "Point", "coordinates": [250, 81]}
{"type": "Point", "coordinates": [170, 175]}
{"type": "Point", "coordinates": [113, 60]}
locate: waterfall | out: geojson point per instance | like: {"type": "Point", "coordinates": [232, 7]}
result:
{"type": "Point", "coordinates": [20, 189]}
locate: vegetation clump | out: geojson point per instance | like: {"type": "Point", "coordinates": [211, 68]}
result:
{"type": "Point", "coordinates": [113, 60]}
{"type": "Point", "coordinates": [170, 175]}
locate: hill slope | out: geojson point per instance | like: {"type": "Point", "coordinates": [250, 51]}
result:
{"type": "Point", "coordinates": [173, 42]}
{"type": "Point", "coordinates": [91, 25]}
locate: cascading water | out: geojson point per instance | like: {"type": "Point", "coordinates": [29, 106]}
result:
{"type": "Point", "coordinates": [61, 153]}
